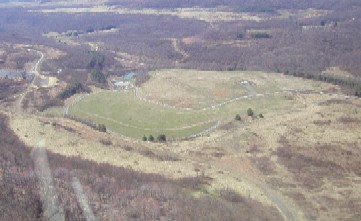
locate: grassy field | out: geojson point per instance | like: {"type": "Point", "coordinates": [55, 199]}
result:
{"type": "Point", "coordinates": [197, 89]}
{"type": "Point", "coordinates": [306, 148]}
{"type": "Point", "coordinates": [197, 101]}
{"type": "Point", "coordinates": [203, 14]}
{"type": "Point", "coordinates": [123, 113]}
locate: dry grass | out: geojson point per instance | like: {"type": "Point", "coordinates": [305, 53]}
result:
{"type": "Point", "coordinates": [308, 152]}
{"type": "Point", "coordinates": [192, 88]}
{"type": "Point", "coordinates": [15, 56]}
{"type": "Point", "coordinates": [31, 130]}
{"type": "Point", "coordinates": [337, 71]}
{"type": "Point", "coordinates": [203, 14]}
{"type": "Point", "coordinates": [50, 52]}
{"type": "Point", "coordinates": [111, 191]}
{"type": "Point", "coordinates": [313, 153]}
{"type": "Point", "coordinates": [61, 38]}
{"type": "Point", "coordinates": [130, 61]}
{"type": "Point", "coordinates": [84, 143]}
{"type": "Point", "coordinates": [302, 14]}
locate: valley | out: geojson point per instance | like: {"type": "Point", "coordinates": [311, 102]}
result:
{"type": "Point", "coordinates": [181, 110]}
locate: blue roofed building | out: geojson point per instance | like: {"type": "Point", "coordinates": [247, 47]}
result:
{"type": "Point", "coordinates": [129, 76]}
{"type": "Point", "coordinates": [124, 82]}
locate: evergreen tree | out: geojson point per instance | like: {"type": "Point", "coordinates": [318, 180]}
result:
{"type": "Point", "coordinates": [250, 112]}
{"type": "Point", "coordinates": [162, 138]}
{"type": "Point", "coordinates": [151, 138]}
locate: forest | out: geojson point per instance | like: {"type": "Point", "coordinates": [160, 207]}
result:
{"type": "Point", "coordinates": [293, 44]}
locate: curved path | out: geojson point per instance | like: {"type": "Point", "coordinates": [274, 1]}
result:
{"type": "Point", "coordinates": [253, 95]}
{"type": "Point", "coordinates": [276, 198]}
{"type": "Point", "coordinates": [201, 133]}
{"type": "Point", "coordinates": [178, 49]}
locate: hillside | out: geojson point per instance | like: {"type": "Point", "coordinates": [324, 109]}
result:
{"type": "Point", "coordinates": [180, 110]}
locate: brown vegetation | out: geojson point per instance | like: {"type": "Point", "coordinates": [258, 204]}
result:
{"type": "Point", "coordinates": [19, 196]}
{"type": "Point", "coordinates": [41, 99]}
{"type": "Point", "coordinates": [332, 43]}
{"type": "Point", "coordinates": [113, 191]}
{"type": "Point", "coordinates": [9, 90]}
{"type": "Point", "coordinates": [315, 162]}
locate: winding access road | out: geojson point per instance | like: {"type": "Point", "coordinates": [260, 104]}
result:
{"type": "Point", "coordinates": [36, 72]}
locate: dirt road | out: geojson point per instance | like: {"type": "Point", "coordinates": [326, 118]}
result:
{"type": "Point", "coordinates": [179, 50]}
{"type": "Point", "coordinates": [19, 106]}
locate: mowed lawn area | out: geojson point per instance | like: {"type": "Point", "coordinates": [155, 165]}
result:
{"type": "Point", "coordinates": [123, 113]}
{"type": "Point", "coordinates": [127, 115]}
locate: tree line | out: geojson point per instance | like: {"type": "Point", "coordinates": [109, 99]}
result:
{"type": "Point", "coordinates": [347, 82]}
{"type": "Point", "coordinates": [99, 127]}
{"type": "Point", "coordinates": [96, 64]}
{"type": "Point", "coordinates": [72, 89]}
{"type": "Point", "coordinates": [161, 138]}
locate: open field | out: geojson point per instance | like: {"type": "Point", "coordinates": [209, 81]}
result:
{"type": "Point", "coordinates": [253, 158]}
{"type": "Point", "coordinates": [309, 155]}
{"type": "Point", "coordinates": [128, 115]}
{"type": "Point", "coordinates": [125, 114]}
{"type": "Point", "coordinates": [306, 13]}
{"type": "Point", "coordinates": [198, 89]}
{"type": "Point", "coordinates": [256, 152]}
{"type": "Point", "coordinates": [198, 65]}
{"type": "Point", "coordinates": [203, 14]}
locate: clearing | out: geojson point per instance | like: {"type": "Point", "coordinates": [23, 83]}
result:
{"type": "Point", "coordinates": [201, 101]}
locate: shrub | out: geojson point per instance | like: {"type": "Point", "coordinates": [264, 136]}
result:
{"type": "Point", "coordinates": [358, 91]}
{"type": "Point", "coordinates": [128, 148]}
{"type": "Point", "coordinates": [105, 142]}
{"type": "Point", "coordinates": [162, 138]}
{"type": "Point", "coordinates": [144, 138]}
{"type": "Point", "coordinates": [238, 118]}
{"type": "Point", "coordinates": [240, 36]}
{"type": "Point", "coordinates": [90, 30]}
{"type": "Point", "coordinates": [231, 195]}
{"type": "Point", "coordinates": [151, 138]}
{"type": "Point", "coordinates": [133, 213]}
{"type": "Point", "coordinates": [250, 112]}
{"type": "Point", "coordinates": [260, 35]}
{"type": "Point", "coordinates": [102, 128]}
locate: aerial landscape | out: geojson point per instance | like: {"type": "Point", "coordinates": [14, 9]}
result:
{"type": "Point", "coordinates": [180, 110]}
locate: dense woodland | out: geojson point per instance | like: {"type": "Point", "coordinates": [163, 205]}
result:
{"type": "Point", "coordinates": [291, 44]}
{"type": "Point", "coordinates": [242, 5]}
